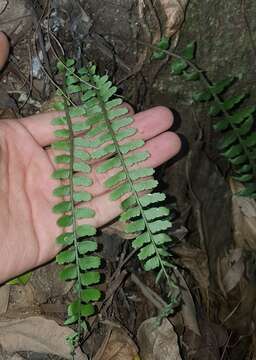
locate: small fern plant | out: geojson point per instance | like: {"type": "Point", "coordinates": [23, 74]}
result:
{"type": "Point", "coordinates": [235, 124]}
{"type": "Point", "coordinates": [96, 127]}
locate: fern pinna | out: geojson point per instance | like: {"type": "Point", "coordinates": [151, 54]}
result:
{"type": "Point", "coordinates": [104, 132]}
{"type": "Point", "coordinates": [238, 137]}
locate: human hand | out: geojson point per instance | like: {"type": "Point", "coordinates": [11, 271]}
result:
{"type": "Point", "coordinates": [27, 224]}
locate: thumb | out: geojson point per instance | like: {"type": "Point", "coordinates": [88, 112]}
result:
{"type": "Point", "coordinates": [4, 49]}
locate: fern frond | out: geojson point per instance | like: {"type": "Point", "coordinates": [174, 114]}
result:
{"type": "Point", "coordinates": [238, 141]}
{"type": "Point", "coordinates": [78, 254]}
{"type": "Point", "coordinates": [111, 138]}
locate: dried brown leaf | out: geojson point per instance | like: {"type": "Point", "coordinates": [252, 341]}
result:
{"type": "Point", "coordinates": [231, 270]}
{"type": "Point", "coordinates": [188, 309]}
{"type": "Point", "coordinates": [244, 219]}
{"type": "Point", "coordinates": [36, 334]}
{"type": "Point", "coordinates": [119, 347]}
{"type": "Point", "coordinates": [4, 298]}
{"type": "Point", "coordinates": [158, 343]}
{"type": "Point", "coordinates": [15, 15]}
{"type": "Point", "coordinates": [174, 11]}
{"type": "Point", "coordinates": [3, 5]}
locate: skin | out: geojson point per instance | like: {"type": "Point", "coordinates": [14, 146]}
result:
{"type": "Point", "coordinates": [27, 225]}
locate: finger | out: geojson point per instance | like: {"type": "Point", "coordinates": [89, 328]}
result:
{"type": "Point", "coordinates": [41, 128]}
{"type": "Point", "coordinates": [148, 124]}
{"type": "Point", "coordinates": [4, 49]}
{"type": "Point", "coordinates": [161, 148]}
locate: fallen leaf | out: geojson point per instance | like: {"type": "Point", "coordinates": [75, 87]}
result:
{"type": "Point", "coordinates": [17, 14]}
{"type": "Point", "coordinates": [3, 5]}
{"type": "Point", "coordinates": [158, 343]}
{"type": "Point", "coordinates": [36, 334]}
{"type": "Point", "coordinates": [244, 218]}
{"type": "Point", "coordinates": [195, 260]}
{"type": "Point", "coordinates": [14, 357]}
{"type": "Point", "coordinates": [188, 309]}
{"type": "Point", "coordinates": [119, 347]}
{"type": "Point", "coordinates": [231, 269]}
{"type": "Point", "coordinates": [4, 298]}
{"type": "Point", "coordinates": [174, 11]}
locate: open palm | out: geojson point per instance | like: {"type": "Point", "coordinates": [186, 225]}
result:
{"type": "Point", "coordinates": [27, 225]}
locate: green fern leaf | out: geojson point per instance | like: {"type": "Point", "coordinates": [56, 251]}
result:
{"type": "Point", "coordinates": [140, 173]}
{"type": "Point", "coordinates": [90, 278]}
{"type": "Point", "coordinates": [120, 191]}
{"type": "Point", "coordinates": [61, 174]}
{"type": "Point", "coordinates": [81, 196]}
{"type": "Point", "coordinates": [65, 239]}
{"type": "Point", "coordinates": [163, 44]}
{"type": "Point", "coordinates": [146, 185]}
{"type": "Point", "coordinates": [201, 96]}
{"type": "Point", "coordinates": [228, 139]}
{"type": "Point", "coordinates": [109, 164]}
{"type": "Point", "coordinates": [115, 179]}
{"type": "Point", "coordinates": [136, 158]}
{"type": "Point", "coordinates": [61, 145]}
{"type": "Point", "coordinates": [162, 238]}
{"type": "Point", "coordinates": [239, 160]}
{"type": "Point", "coordinates": [66, 256]}
{"type": "Point", "coordinates": [243, 178]}
{"type": "Point", "coordinates": [62, 159]}
{"type": "Point", "coordinates": [178, 66]}
{"type": "Point", "coordinates": [191, 75]}
{"type": "Point", "coordinates": [81, 180]}
{"type": "Point", "coordinates": [156, 212]}
{"type": "Point", "coordinates": [84, 212]}
{"type": "Point", "coordinates": [241, 115]}
{"type": "Point", "coordinates": [152, 198]}
{"type": "Point", "coordinates": [221, 125]}
{"type": "Point", "coordinates": [135, 226]}
{"type": "Point", "coordinates": [232, 102]}
{"type": "Point", "coordinates": [88, 295]}
{"type": "Point", "coordinates": [147, 251]}
{"type": "Point", "coordinates": [246, 127]}
{"type": "Point", "coordinates": [130, 213]}
{"type": "Point", "coordinates": [233, 151]}
{"type": "Point", "coordinates": [65, 220]}
{"type": "Point", "coordinates": [89, 262]}
{"type": "Point", "coordinates": [152, 263]}
{"type": "Point", "coordinates": [87, 310]}
{"type": "Point", "coordinates": [87, 246]}
{"type": "Point", "coordinates": [215, 109]}
{"type": "Point", "coordinates": [140, 240]}
{"type": "Point", "coordinates": [132, 145]}
{"type": "Point", "coordinates": [69, 273]}
{"type": "Point", "coordinates": [85, 230]}
{"type": "Point", "coordinates": [62, 207]}
{"type": "Point", "coordinates": [129, 202]}
{"type": "Point", "coordinates": [222, 85]}
{"type": "Point", "coordinates": [251, 140]}
{"type": "Point", "coordinates": [159, 225]}
{"type": "Point", "coordinates": [189, 52]}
